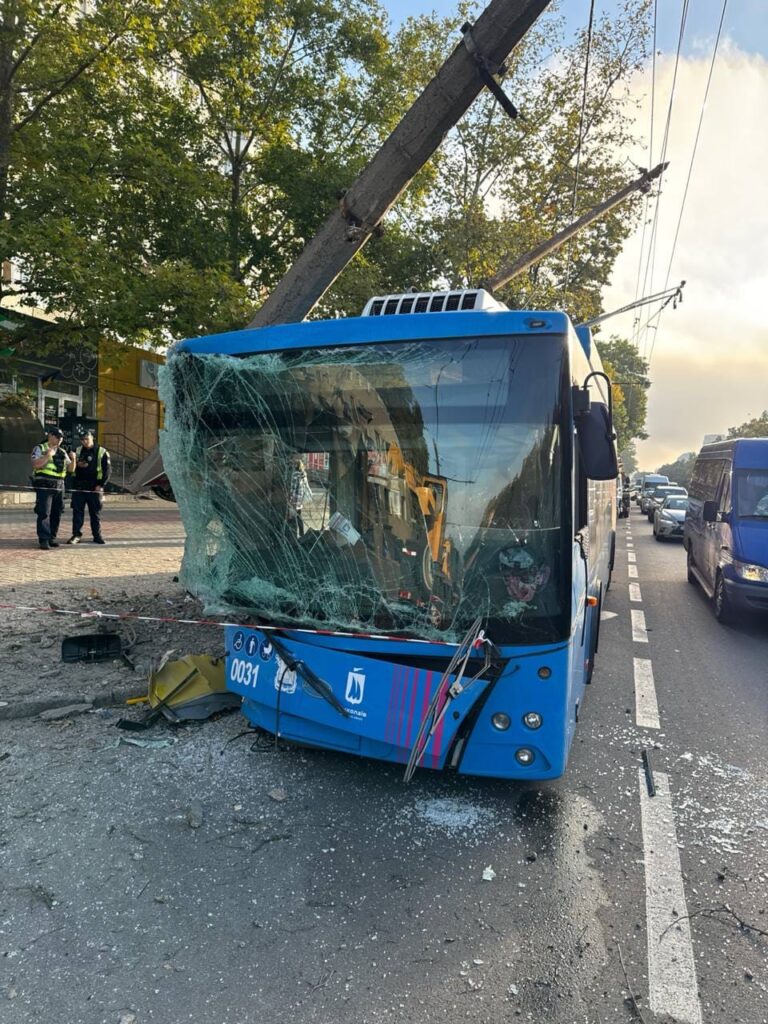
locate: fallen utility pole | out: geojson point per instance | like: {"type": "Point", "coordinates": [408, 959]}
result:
{"type": "Point", "coordinates": [482, 52]}
{"type": "Point", "coordinates": [543, 249]}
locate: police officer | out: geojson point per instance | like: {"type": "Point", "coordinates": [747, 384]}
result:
{"type": "Point", "coordinates": [91, 475]}
{"type": "Point", "coordinates": [50, 464]}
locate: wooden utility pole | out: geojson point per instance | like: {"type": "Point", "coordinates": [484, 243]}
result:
{"type": "Point", "coordinates": [440, 106]}
{"type": "Point", "coordinates": [541, 250]}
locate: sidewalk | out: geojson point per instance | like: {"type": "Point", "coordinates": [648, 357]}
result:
{"type": "Point", "coordinates": [133, 573]}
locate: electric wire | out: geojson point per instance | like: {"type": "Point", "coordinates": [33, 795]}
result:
{"type": "Point", "coordinates": [651, 258]}
{"type": "Point", "coordinates": [693, 158]}
{"type": "Point", "coordinates": [650, 160]}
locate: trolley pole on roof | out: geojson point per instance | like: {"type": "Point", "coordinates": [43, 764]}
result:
{"type": "Point", "coordinates": [505, 275]}
{"type": "Point", "coordinates": [482, 52]}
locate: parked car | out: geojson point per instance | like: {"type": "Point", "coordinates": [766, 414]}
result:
{"type": "Point", "coordinates": [669, 517]}
{"type": "Point", "coordinates": [726, 525]}
{"type": "Point", "coordinates": [622, 496]}
{"type": "Point", "coordinates": [657, 496]}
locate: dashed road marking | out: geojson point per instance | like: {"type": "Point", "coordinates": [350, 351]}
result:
{"type": "Point", "coordinates": [632, 572]}
{"type": "Point", "coordinates": [639, 631]}
{"type": "Point", "coordinates": [631, 556]}
{"type": "Point", "coordinates": [646, 706]}
{"type": "Point", "coordinates": [672, 986]}
{"type": "Point", "coordinates": [634, 592]}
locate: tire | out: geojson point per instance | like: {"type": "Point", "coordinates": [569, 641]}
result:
{"type": "Point", "coordinates": [721, 602]}
{"type": "Point", "coordinates": [689, 567]}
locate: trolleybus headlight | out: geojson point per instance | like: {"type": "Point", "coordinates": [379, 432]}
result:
{"type": "Point", "coordinates": [545, 672]}
{"type": "Point", "coordinates": [524, 756]}
{"type": "Point", "coordinates": [501, 721]}
{"type": "Point", "coordinates": [533, 719]}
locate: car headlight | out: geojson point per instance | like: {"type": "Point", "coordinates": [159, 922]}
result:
{"type": "Point", "coordinates": [752, 573]}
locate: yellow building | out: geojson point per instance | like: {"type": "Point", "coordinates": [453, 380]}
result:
{"type": "Point", "coordinates": [129, 410]}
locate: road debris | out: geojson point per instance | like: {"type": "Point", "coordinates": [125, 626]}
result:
{"type": "Point", "coordinates": [195, 814]}
{"type": "Point", "coordinates": [54, 714]}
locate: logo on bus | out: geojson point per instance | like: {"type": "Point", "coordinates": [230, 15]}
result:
{"type": "Point", "coordinates": [355, 687]}
{"type": "Point", "coordinates": [285, 678]}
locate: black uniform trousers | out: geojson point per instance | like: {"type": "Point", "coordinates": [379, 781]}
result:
{"type": "Point", "coordinates": [49, 506]}
{"type": "Point", "coordinates": [92, 500]}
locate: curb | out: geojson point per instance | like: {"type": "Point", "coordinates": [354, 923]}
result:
{"type": "Point", "coordinates": [31, 708]}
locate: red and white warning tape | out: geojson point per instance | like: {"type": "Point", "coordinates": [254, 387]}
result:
{"type": "Point", "coordinates": [96, 614]}
{"type": "Point", "coordinates": [68, 491]}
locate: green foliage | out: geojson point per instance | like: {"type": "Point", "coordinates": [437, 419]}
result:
{"type": "Point", "coordinates": [681, 470]}
{"type": "Point", "coordinates": [629, 374]}
{"type": "Point", "coordinates": [502, 186]}
{"type": "Point", "coordinates": [163, 162]}
{"type": "Point", "coordinates": [757, 427]}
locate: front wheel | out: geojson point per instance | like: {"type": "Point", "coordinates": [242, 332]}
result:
{"type": "Point", "coordinates": [722, 603]}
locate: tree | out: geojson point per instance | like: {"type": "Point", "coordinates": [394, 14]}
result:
{"type": "Point", "coordinates": [629, 373]}
{"type": "Point", "coordinates": [681, 470]}
{"type": "Point", "coordinates": [501, 186]}
{"type": "Point", "coordinates": [757, 427]}
{"type": "Point", "coordinates": [165, 161]}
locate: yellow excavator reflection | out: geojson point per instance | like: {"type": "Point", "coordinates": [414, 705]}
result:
{"type": "Point", "coordinates": [431, 492]}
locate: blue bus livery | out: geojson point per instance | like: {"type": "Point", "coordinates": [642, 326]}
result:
{"type": "Point", "coordinates": [416, 508]}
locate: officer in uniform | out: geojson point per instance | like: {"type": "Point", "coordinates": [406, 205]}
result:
{"type": "Point", "coordinates": [91, 475]}
{"type": "Point", "coordinates": [50, 464]}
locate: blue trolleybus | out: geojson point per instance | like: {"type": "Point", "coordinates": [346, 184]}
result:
{"type": "Point", "coordinates": [413, 512]}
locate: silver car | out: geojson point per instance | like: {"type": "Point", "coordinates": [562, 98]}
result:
{"type": "Point", "coordinates": [669, 517]}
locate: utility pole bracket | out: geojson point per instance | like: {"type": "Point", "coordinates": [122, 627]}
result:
{"type": "Point", "coordinates": [487, 70]}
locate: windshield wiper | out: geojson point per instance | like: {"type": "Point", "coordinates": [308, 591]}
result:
{"type": "Point", "coordinates": [321, 688]}
{"type": "Point", "coordinates": [447, 692]}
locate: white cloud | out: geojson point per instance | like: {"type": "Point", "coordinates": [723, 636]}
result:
{"type": "Point", "coordinates": [710, 359]}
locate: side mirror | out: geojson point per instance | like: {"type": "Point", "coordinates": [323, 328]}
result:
{"type": "Point", "coordinates": [596, 443]}
{"type": "Point", "coordinates": [709, 512]}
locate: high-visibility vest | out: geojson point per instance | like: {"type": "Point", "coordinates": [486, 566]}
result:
{"type": "Point", "coordinates": [100, 453]}
{"type": "Point", "coordinates": [49, 469]}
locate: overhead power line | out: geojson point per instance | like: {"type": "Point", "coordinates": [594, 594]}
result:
{"type": "Point", "coordinates": [693, 156]}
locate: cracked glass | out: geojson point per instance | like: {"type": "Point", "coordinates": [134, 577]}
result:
{"type": "Point", "coordinates": [402, 488]}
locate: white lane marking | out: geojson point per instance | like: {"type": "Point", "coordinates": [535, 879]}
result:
{"type": "Point", "coordinates": [639, 632]}
{"type": "Point", "coordinates": [631, 556]}
{"type": "Point", "coordinates": [634, 592]}
{"type": "Point", "coordinates": [630, 545]}
{"type": "Point", "coordinates": [607, 615]}
{"type": "Point", "coordinates": [646, 707]}
{"type": "Point", "coordinates": [632, 572]}
{"type": "Point", "coordinates": [672, 985]}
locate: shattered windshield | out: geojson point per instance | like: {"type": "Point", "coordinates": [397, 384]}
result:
{"type": "Point", "coordinates": [406, 487]}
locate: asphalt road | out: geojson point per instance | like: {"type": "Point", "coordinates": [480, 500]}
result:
{"type": "Point", "coordinates": [207, 881]}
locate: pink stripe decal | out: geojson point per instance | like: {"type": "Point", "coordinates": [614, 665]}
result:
{"type": "Point", "coordinates": [389, 725]}
{"type": "Point", "coordinates": [414, 691]}
{"type": "Point", "coordinates": [401, 712]}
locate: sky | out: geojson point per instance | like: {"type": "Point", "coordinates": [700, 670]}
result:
{"type": "Point", "coordinates": [708, 357]}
